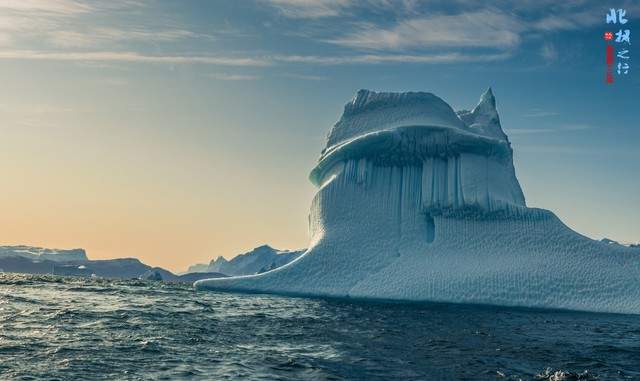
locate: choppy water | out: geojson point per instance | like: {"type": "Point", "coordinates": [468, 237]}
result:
{"type": "Point", "coordinates": [75, 329]}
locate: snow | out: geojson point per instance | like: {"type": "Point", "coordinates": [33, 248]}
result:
{"type": "Point", "coordinates": [416, 202]}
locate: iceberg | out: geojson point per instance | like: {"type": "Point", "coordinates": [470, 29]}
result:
{"type": "Point", "coordinates": [44, 254]}
{"type": "Point", "coordinates": [258, 260]}
{"type": "Point", "coordinates": [418, 202]}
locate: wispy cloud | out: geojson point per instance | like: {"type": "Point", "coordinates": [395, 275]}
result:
{"type": "Point", "coordinates": [60, 7]}
{"type": "Point", "coordinates": [548, 130]}
{"type": "Point", "coordinates": [576, 15]}
{"type": "Point", "coordinates": [568, 20]}
{"type": "Point", "coordinates": [95, 36]}
{"type": "Point", "coordinates": [576, 127]}
{"type": "Point", "coordinates": [538, 113]}
{"type": "Point", "coordinates": [67, 38]}
{"type": "Point", "coordinates": [415, 28]}
{"type": "Point", "coordinates": [66, 24]}
{"type": "Point", "coordinates": [5, 39]}
{"type": "Point", "coordinates": [128, 56]}
{"type": "Point", "coordinates": [560, 149]}
{"type": "Point", "coordinates": [305, 77]}
{"type": "Point", "coordinates": [142, 34]}
{"type": "Point", "coordinates": [135, 57]}
{"type": "Point", "coordinates": [310, 8]}
{"type": "Point", "coordinates": [480, 29]}
{"type": "Point", "coordinates": [233, 77]}
{"type": "Point", "coordinates": [314, 9]}
{"type": "Point", "coordinates": [65, 30]}
{"type": "Point", "coordinates": [391, 58]}
{"type": "Point", "coordinates": [33, 19]}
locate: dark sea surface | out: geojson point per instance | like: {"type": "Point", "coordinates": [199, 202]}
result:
{"type": "Point", "coordinates": [92, 329]}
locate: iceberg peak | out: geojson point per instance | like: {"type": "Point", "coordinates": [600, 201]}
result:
{"type": "Point", "coordinates": [484, 118]}
{"type": "Point", "coordinates": [488, 98]}
{"type": "Point", "coordinates": [486, 107]}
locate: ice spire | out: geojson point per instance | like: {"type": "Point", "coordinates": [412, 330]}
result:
{"type": "Point", "coordinates": [484, 119]}
{"type": "Point", "coordinates": [487, 101]}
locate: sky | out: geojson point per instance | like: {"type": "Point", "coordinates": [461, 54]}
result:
{"type": "Point", "coordinates": [179, 131]}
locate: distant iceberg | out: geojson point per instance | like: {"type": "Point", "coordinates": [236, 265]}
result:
{"type": "Point", "coordinates": [419, 202]}
{"type": "Point", "coordinates": [259, 260]}
{"type": "Point", "coordinates": [44, 254]}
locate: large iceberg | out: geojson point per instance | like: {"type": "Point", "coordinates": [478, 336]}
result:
{"type": "Point", "coordinates": [419, 202]}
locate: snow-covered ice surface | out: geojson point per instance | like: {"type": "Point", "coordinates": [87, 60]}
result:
{"type": "Point", "coordinates": [418, 202]}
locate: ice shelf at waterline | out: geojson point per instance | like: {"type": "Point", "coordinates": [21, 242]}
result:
{"type": "Point", "coordinates": [419, 202]}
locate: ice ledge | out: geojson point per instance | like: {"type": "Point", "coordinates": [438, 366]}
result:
{"type": "Point", "coordinates": [411, 145]}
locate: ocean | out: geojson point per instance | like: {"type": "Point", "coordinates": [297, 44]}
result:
{"type": "Point", "coordinates": [55, 328]}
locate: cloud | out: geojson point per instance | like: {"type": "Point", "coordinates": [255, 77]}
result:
{"type": "Point", "coordinates": [537, 113]}
{"type": "Point", "coordinates": [314, 9]}
{"type": "Point", "coordinates": [24, 23]}
{"type": "Point", "coordinates": [128, 56]}
{"type": "Point", "coordinates": [305, 77]}
{"type": "Point", "coordinates": [412, 28]}
{"type": "Point", "coordinates": [92, 37]}
{"type": "Point", "coordinates": [577, 15]}
{"type": "Point", "coordinates": [5, 39]}
{"type": "Point", "coordinates": [391, 58]}
{"type": "Point", "coordinates": [482, 29]}
{"type": "Point", "coordinates": [570, 20]}
{"type": "Point", "coordinates": [68, 24]}
{"type": "Point", "coordinates": [412, 32]}
{"type": "Point", "coordinates": [135, 57]}
{"type": "Point", "coordinates": [142, 34]}
{"type": "Point", "coordinates": [66, 38]}
{"type": "Point", "coordinates": [529, 131]}
{"type": "Point", "coordinates": [60, 7]}
{"type": "Point", "coordinates": [310, 8]}
{"type": "Point", "coordinates": [576, 127]}
{"type": "Point", "coordinates": [233, 77]}
{"type": "Point", "coordinates": [547, 130]}
{"type": "Point", "coordinates": [560, 149]}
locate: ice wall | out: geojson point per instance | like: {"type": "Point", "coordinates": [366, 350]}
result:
{"type": "Point", "coordinates": [416, 202]}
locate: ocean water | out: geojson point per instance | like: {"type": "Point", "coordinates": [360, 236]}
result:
{"type": "Point", "coordinates": [90, 329]}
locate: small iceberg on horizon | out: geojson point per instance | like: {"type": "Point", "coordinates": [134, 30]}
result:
{"type": "Point", "coordinates": [418, 202]}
